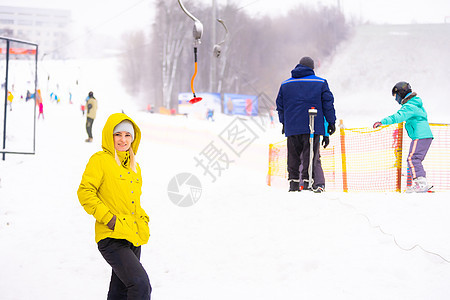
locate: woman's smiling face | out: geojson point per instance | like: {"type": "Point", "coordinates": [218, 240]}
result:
{"type": "Point", "coordinates": [122, 140]}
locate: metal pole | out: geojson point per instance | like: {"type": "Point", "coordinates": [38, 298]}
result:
{"type": "Point", "coordinates": [213, 73]}
{"type": "Point", "coordinates": [312, 114]}
{"type": "Point", "coordinates": [6, 97]}
{"type": "Point", "coordinates": [35, 98]}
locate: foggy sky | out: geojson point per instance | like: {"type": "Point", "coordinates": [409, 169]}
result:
{"type": "Point", "coordinates": [114, 17]}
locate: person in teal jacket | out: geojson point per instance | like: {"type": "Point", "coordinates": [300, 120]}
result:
{"type": "Point", "coordinates": [413, 113]}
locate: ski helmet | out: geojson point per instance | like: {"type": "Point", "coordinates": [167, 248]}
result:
{"type": "Point", "coordinates": [400, 90]}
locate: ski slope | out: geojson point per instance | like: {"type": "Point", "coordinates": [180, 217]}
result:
{"type": "Point", "coordinates": [241, 240]}
{"type": "Point", "coordinates": [365, 67]}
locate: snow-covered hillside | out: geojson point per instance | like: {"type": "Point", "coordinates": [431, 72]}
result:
{"type": "Point", "coordinates": [367, 66]}
{"type": "Point", "coordinates": [241, 240]}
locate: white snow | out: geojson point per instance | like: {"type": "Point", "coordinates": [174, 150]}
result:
{"type": "Point", "coordinates": [366, 67]}
{"type": "Point", "coordinates": [241, 240]}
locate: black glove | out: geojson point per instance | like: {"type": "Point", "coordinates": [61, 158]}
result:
{"type": "Point", "coordinates": [282, 130]}
{"type": "Point", "coordinates": [331, 128]}
{"type": "Point", "coordinates": [325, 141]}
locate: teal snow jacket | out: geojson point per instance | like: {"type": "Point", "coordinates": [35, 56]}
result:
{"type": "Point", "coordinates": [413, 112]}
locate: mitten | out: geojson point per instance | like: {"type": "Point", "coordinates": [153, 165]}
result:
{"type": "Point", "coordinates": [331, 128]}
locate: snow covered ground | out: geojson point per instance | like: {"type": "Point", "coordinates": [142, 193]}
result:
{"type": "Point", "coordinates": [241, 240]}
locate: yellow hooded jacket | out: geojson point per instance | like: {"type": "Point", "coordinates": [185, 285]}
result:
{"type": "Point", "coordinates": [109, 189]}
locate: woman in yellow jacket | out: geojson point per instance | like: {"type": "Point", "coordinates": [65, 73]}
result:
{"type": "Point", "coordinates": [110, 190]}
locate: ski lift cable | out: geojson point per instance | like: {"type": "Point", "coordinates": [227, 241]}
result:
{"type": "Point", "coordinates": [248, 4]}
{"type": "Point", "coordinates": [93, 29]}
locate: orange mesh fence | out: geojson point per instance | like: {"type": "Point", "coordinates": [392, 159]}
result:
{"type": "Point", "coordinates": [277, 163]}
{"type": "Point", "coordinates": [371, 160]}
{"type": "Point", "coordinates": [437, 161]}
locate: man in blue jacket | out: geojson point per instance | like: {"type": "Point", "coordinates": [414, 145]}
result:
{"type": "Point", "coordinates": [296, 96]}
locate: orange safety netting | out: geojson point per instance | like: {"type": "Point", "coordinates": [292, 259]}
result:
{"type": "Point", "coordinates": [372, 160]}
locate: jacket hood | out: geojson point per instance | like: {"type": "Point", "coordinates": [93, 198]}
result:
{"type": "Point", "coordinates": [301, 71]}
{"type": "Point", "coordinates": [412, 96]}
{"type": "Point", "coordinates": [107, 133]}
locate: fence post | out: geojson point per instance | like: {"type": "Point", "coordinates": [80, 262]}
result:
{"type": "Point", "coordinates": [269, 175]}
{"type": "Point", "coordinates": [399, 155]}
{"type": "Point", "coordinates": [344, 161]}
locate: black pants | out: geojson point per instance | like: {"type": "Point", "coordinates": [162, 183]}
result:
{"type": "Point", "coordinates": [298, 155]}
{"type": "Point", "coordinates": [89, 123]}
{"type": "Point", "coordinates": [129, 279]}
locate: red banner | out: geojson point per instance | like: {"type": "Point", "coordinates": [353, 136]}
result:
{"type": "Point", "coordinates": [18, 51]}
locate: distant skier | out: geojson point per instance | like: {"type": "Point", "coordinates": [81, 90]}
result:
{"type": "Point", "coordinates": [272, 123]}
{"type": "Point", "coordinates": [41, 110]}
{"type": "Point", "coordinates": [91, 104]}
{"type": "Point", "coordinates": [210, 114]}
{"type": "Point", "coordinates": [295, 97]}
{"type": "Point", "coordinates": [418, 129]}
{"type": "Point", "coordinates": [10, 98]}
{"type": "Point", "coordinates": [29, 96]}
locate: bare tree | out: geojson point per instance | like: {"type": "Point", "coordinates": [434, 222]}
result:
{"type": "Point", "coordinates": [257, 55]}
{"type": "Point", "coordinates": [132, 67]}
{"type": "Point", "coordinates": [172, 37]}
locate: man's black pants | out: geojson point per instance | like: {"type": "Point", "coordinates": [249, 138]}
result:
{"type": "Point", "coordinates": [298, 155]}
{"type": "Point", "coordinates": [129, 279]}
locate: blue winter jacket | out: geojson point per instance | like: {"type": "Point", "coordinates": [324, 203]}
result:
{"type": "Point", "coordinates": [297, 95]}
{"type": "Point", "coordinates": [414, 114]}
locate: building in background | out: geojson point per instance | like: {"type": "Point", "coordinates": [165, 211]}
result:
{"type": "Point", "coordinates": [49, 28]}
